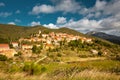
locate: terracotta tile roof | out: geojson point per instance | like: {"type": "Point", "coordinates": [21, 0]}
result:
{"type": "Point", "coordinates": [4, 45]}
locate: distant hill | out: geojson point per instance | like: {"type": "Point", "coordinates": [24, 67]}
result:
{"type": "Point", "coordinates": [111, 38]}
{"type": "Point", "coordinates": [13, 32]}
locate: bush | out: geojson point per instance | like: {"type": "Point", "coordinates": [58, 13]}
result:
{"type": "Point", "coordinates": [10, 45]}
{"type": "Point", "coordinates": [36, 49]}
{"type": "Point", "coordinates": [3, 57]}
{"type": "Point", "coordinates": [33, 69]}
{"type": "Point", "coordinates": [59, 55]}
{"type": "Point", "coordinates": [117, 57]}
{"type": "Point", "coordinates": [18, 54]}
{"type": "Point", "coordinates": [43, 69]}
{"type": "Point", "coordinates": [100, 53]}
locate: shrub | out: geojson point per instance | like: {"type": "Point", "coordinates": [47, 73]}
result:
{"type": "Point", "coordinates": [117, 57]}
{"type": "Point", "coordinates": [36, 49]}
{"type": "Point", "coordinates": [59, 55]}
{"type": "Point", "coordinates": [43, 69]}
{"type": "Point", "coordinates": [18, 54]}
{"type": "Point", "coordinates": [10, 45]}
{"type": "Point", "coordinates": [3, 57]}
{"type": "Point", "coordinates": [100, 53]}
{"type": "Point", "coordinates": [33, 69]}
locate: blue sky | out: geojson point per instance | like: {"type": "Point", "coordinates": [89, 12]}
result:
{"type": "Point", "coordinates": [81, 15]}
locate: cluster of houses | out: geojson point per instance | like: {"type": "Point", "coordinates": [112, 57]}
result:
{"type": "Point", "coordinates": [5, 50]}
{"type": "Point", "coordinates": [48, 40]}
{"type": "Point", "coordinates": [52, 39]}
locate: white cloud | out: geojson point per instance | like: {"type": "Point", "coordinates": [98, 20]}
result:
{"type": "Point", "coordinates": [61, 20]}
{"type": "Point", "coordinates": [42, 9]}
{"type": "Point", "coordinates": [5, 14]}
{"type": "Point", "coordinates": [97, 14]}
{"type": "Point", "coordinates": [108, 25]}
{"type": "Point", "coordinates": [2, 4]}
{"type": "Point", "coordinates": [100, 5]}
{"type": "Point", "coordinates": [102, 8]}
{"type": "Point", "coordinates": [112, 8]}
{"type": "Point", "coordinates": [11, 23]}
{"type": "Point", "coordinates": [63, 5]}
{"type": "Point", "coordinates": [17, 20]}
{"type": "Point", "coordinates": [84, 25]}
{"type": "Point", "coordinates": [35, 23]}
{"type": "Point", "coordinates": [51, 25]}
{"type": "Point", "coordinates": [68, 6]}
{"type": "Point", "coordinates": [18, 12]}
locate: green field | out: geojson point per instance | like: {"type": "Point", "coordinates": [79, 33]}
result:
{"type": "Point", "coordinates": [83, 70]}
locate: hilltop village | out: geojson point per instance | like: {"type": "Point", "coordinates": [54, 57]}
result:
{"type": "Point", "coordinates": [45, 41]}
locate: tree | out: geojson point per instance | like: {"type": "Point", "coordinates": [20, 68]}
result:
{"type": "Point", "coordinates": [100, 53]}
{"type": "Point", "coordinates": [34, 49]}
{"type": "Point", "coordinates": [18, 54]}
{"type": "Point", "coordinates": [10, 45]}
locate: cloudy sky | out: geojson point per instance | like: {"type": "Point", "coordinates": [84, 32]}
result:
{"type": "Point", "coordinates": [81, 15]}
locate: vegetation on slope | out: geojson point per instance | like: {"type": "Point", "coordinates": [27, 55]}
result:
{"type": "Point", "coordinates": [13, 32]}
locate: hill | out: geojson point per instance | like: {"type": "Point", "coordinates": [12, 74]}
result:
{"type": "Point", "coordinates": [74, 60]}
{"type": "Point", "coordinates": [13, 32]}
{"type": "Point", "coordinates": [111, 38]}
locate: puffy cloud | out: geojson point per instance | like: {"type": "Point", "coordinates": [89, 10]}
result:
{"type": "Point", "coordinates": [68, 6]}
{"type": "Point", "coordinates": [51, 25]}
{"type": "Point", "coordinates": [109, 25]}
{"type": "Point", "coordinates": [83, 25]}
{"type": "Point", "coordinates": [35, 23]}
{"type": "Point", "coordinates": [5, 14]}
{"type": "Point", "coordinates": [102, 8]}
{"type": "Point", "coordinates": [63, 5]}
{"type": "Point", "coordinates": [18, 12]}
{"type": "Point", "coordinates": [100, 5]}
{"type": "Point", "coordinates": [42, 9]}
{"type": "Point", "coordinates": [2, 4]}
{"type": "Point", "coordinates": [61, 20]}
{"type": "Point", "coordinates": [11, 23]}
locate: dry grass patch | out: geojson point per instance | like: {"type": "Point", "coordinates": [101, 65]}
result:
{"type": "Point", "coordinates": [96, 75]}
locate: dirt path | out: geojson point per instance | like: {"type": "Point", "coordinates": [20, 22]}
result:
{"type": "Point", "coordinates": [84, 59]}
{"type": "Point", "coordinates": [40, 59]}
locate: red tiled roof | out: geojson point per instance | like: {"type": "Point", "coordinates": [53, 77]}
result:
{"type": "Point", "coordinates": [4, 45]}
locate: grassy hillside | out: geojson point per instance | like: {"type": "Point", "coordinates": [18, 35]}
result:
{"type": "Point", "coordinates": [13, 32]}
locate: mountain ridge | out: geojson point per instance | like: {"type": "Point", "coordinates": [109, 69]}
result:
{"type": "Point", "coordinates": [111, 38]}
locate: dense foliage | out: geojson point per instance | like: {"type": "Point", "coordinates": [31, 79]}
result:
{"type": "Point", "coordinates": [3, 57]}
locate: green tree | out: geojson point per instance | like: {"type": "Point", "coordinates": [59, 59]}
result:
{"type": "Point", "coordinates": [18, 54]}
{"type": "Point", "coordinates": [100, 53]}
{"type": "Point", "coordinates": [10, 45]}
{"type": "Point", "coordinates": [36, 49]}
